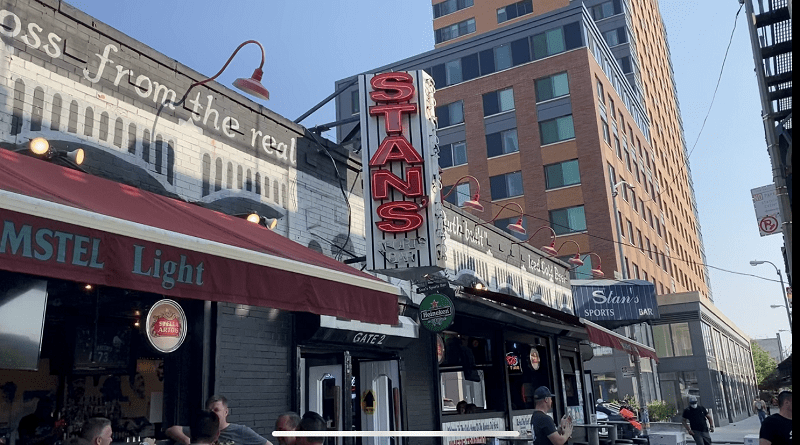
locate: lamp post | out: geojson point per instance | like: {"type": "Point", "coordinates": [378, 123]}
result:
{"type": "Point", "coordinates": [783, 289]}
{"type": "Point", "coordinates": [637, 360]}
{"type": "Point", "coordinates": [614, 193]}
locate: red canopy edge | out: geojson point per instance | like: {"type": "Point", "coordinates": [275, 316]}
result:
{"type": "Point", "coordinates": [121, 236]}
{"type": "Point", "coordinates": [609, 338]}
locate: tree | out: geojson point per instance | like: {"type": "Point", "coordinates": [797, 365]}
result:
{"type": "Point", "coordinates": [762, 361]}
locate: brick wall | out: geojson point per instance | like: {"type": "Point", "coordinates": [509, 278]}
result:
{"type": "Point", "coordinates": [253, 364]}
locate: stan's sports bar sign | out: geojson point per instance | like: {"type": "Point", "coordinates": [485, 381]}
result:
{"type": "Point", "coordinates": [404, 228]}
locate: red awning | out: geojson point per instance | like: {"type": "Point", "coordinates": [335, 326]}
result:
{"type": "Point", "coordinates": [61, 223]}
{"type": "Point", "coordinates": [609, 338]}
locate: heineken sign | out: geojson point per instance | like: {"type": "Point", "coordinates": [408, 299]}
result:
{"type": "Point", "coordinates": [436, 312]}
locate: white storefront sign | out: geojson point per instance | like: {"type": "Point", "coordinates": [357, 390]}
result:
{"type": "Point", "coordinates": [401, 174]}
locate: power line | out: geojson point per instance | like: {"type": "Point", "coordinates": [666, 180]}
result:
{"type": "Point", "coordinates": [642, 249]}
{"type": "Point", "coordinates": [713, 97]}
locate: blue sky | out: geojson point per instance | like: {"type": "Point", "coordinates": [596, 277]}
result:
{"type": "Point", "coordinates": [309, 44]}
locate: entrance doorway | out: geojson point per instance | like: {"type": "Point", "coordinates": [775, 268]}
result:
{"type": "Point", "coordinates": [352, 393]}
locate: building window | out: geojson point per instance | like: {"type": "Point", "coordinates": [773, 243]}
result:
{"type": "Point", "coordinates": [606, 9]}
{"type": "Point", "coordinates": [548, 43]}
{"type": "Point", "coordinates": [506, 186]}
{"type": "Point", "coordinates": [681, 339]}
{"type": "Point", "coordinates": [355, 103]}
{"type": "Point", "coordinates": [502, 57]}
{"type": "Point", "coordinates": [551, 87]}
{"type": "Point", "coordinates": [600, 94]}
{"type": "Point", "coordinates": [453, 72]}
{"type": "Point", "coordinates": [616, 36]}
{"type": "Point", "coordinates": [501, 143]}
{"type": "Point", "coordinates": [569, 220]}
{"type": "Point", "coordinates": [514, 10]}
{"type": "Point", "coordinates": [452, 154]}
{"type": "Point", "coordinates": [498, 102]}
{"type": "Point", "coordinates": [562, 174]}
{"type": "Point", "coordinates": [459, 195]}
{"type": "Point", "coordinates": [625, 64]}
{"type": "Point", "coordinates": [455, 30]}
{"type": "Point", "coordinates": [557, 130]}
{"type": "Point", "coordinates": [450, 114]}
{"type": "Point", "coordinates": [450, 6]}
{"type": "Point", "coordinates": [630, 230]}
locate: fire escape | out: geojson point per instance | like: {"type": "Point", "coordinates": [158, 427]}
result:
{"type": "Point", "coordinates": [770, 23]}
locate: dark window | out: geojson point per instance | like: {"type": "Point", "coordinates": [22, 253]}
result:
{"type": "Point", "coordinates": [450, 114]}
{"type": "Point", "coordinates": [520, 51]}
{"type": "Point", "coordinates": [569, 220]}
{"type": "Point", "coordinates": [458, 196]}
{"type": "Point", "coordinates": [469, 67]}
{"type": "Point", "coordinates": [487, 61]}
{"type": "Point", "coordinates": [551, 87]}
{"type": "Point", "coordinates": [355, 103]}
{"type": "Point", "coordinates": [455, 30]}
{"type": "Point", "coordinates": [501, 143]}
{"type": "Point", "coordinates": [439, 75]}
{"type": "Point", "coordinates": [556, 130]}
{"type": "Point", "coordinates": [506, 186]}
{"type": "Point", "coordinates": [625, 64]}
{"type": "Point", "coordinates": [453, 154]}
{"type": "Point", "coordinates": [572, 36]}
{"type": "Point", "coordinates": [449, 7]}
{"type": "Point", "coordinates": [514, 10]}
{"type": "Point", "coordinates": [562, 174]}
{"type": "Point", "coordinates": [498, 101]}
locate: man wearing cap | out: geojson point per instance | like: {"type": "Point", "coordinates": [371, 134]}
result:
{"type": "Point", "coordinates": [696, 415]}
{"type": "Point", "coordinates": [543, 428]}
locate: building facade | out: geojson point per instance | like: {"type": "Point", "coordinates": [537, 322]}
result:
{"type": "Point", "coordinates": [703, 354]}
{"type": "Point", "coordinates": [548, 106]}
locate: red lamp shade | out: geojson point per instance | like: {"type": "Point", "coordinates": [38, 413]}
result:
{"type": "Point", "coordinates": [551, 249]}
{"type": "Point", "coordinates": [576, 261]}
{"type": "Point", "coordinates": [474, 203]}
{"type": "Point", "coordinates": [253, 85]}
{"type": "Point", "coordinates": [517, 227]}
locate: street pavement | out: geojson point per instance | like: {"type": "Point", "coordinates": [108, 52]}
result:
{"type": "Point", "coordinates": [734, 432]}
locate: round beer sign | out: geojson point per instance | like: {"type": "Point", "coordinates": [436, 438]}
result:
{"type": "Point", "coordinates": [166, 326]}
{"type": "Point", "coordinates": [436, 312]}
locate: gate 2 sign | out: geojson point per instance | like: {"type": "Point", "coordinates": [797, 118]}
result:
{"type": "Point", "coordinates": [404, 216]}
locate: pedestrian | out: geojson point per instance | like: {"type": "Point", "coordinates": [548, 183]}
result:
{"type": "Point", "coordinates": [287, 422]}
{"type": "Point", "coordinates": [229, 433]}
{"type": "Point", "coordinates": [760, 407]}
{"type": "Point", "coordinates": [96, 431]}
{"type": "Point", "coordinates": [311, 421]}
{"type": "Point", "coordinates": [205, 428]}
{"type": "Point", "coordinates": [777, 428]}
{"type": "Point", "coordinates": [543, 428]}
{"type": "Point", "coordinates": [696, 415]}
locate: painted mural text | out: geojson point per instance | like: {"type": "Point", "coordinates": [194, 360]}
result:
{"type": "Point", "coordinates": [201, 107]}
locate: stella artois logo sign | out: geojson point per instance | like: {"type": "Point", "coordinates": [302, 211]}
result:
{"type": "Point", "coordinates": [166, 326]}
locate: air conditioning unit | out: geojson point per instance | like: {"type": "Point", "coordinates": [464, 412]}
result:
{"type": "Point", "coordinates": [668, 439]}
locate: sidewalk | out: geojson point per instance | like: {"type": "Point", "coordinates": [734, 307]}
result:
{"type": "Point", "coordinates": [734, 432]}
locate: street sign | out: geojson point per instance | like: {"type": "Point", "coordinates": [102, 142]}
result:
{"type": "Point", "coordinates": [765, 203]}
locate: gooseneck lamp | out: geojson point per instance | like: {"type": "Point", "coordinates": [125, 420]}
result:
{"type": "Point", "coordinates": [473, 203]}
{"type": "Point", "coordinates": [250, 86]}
